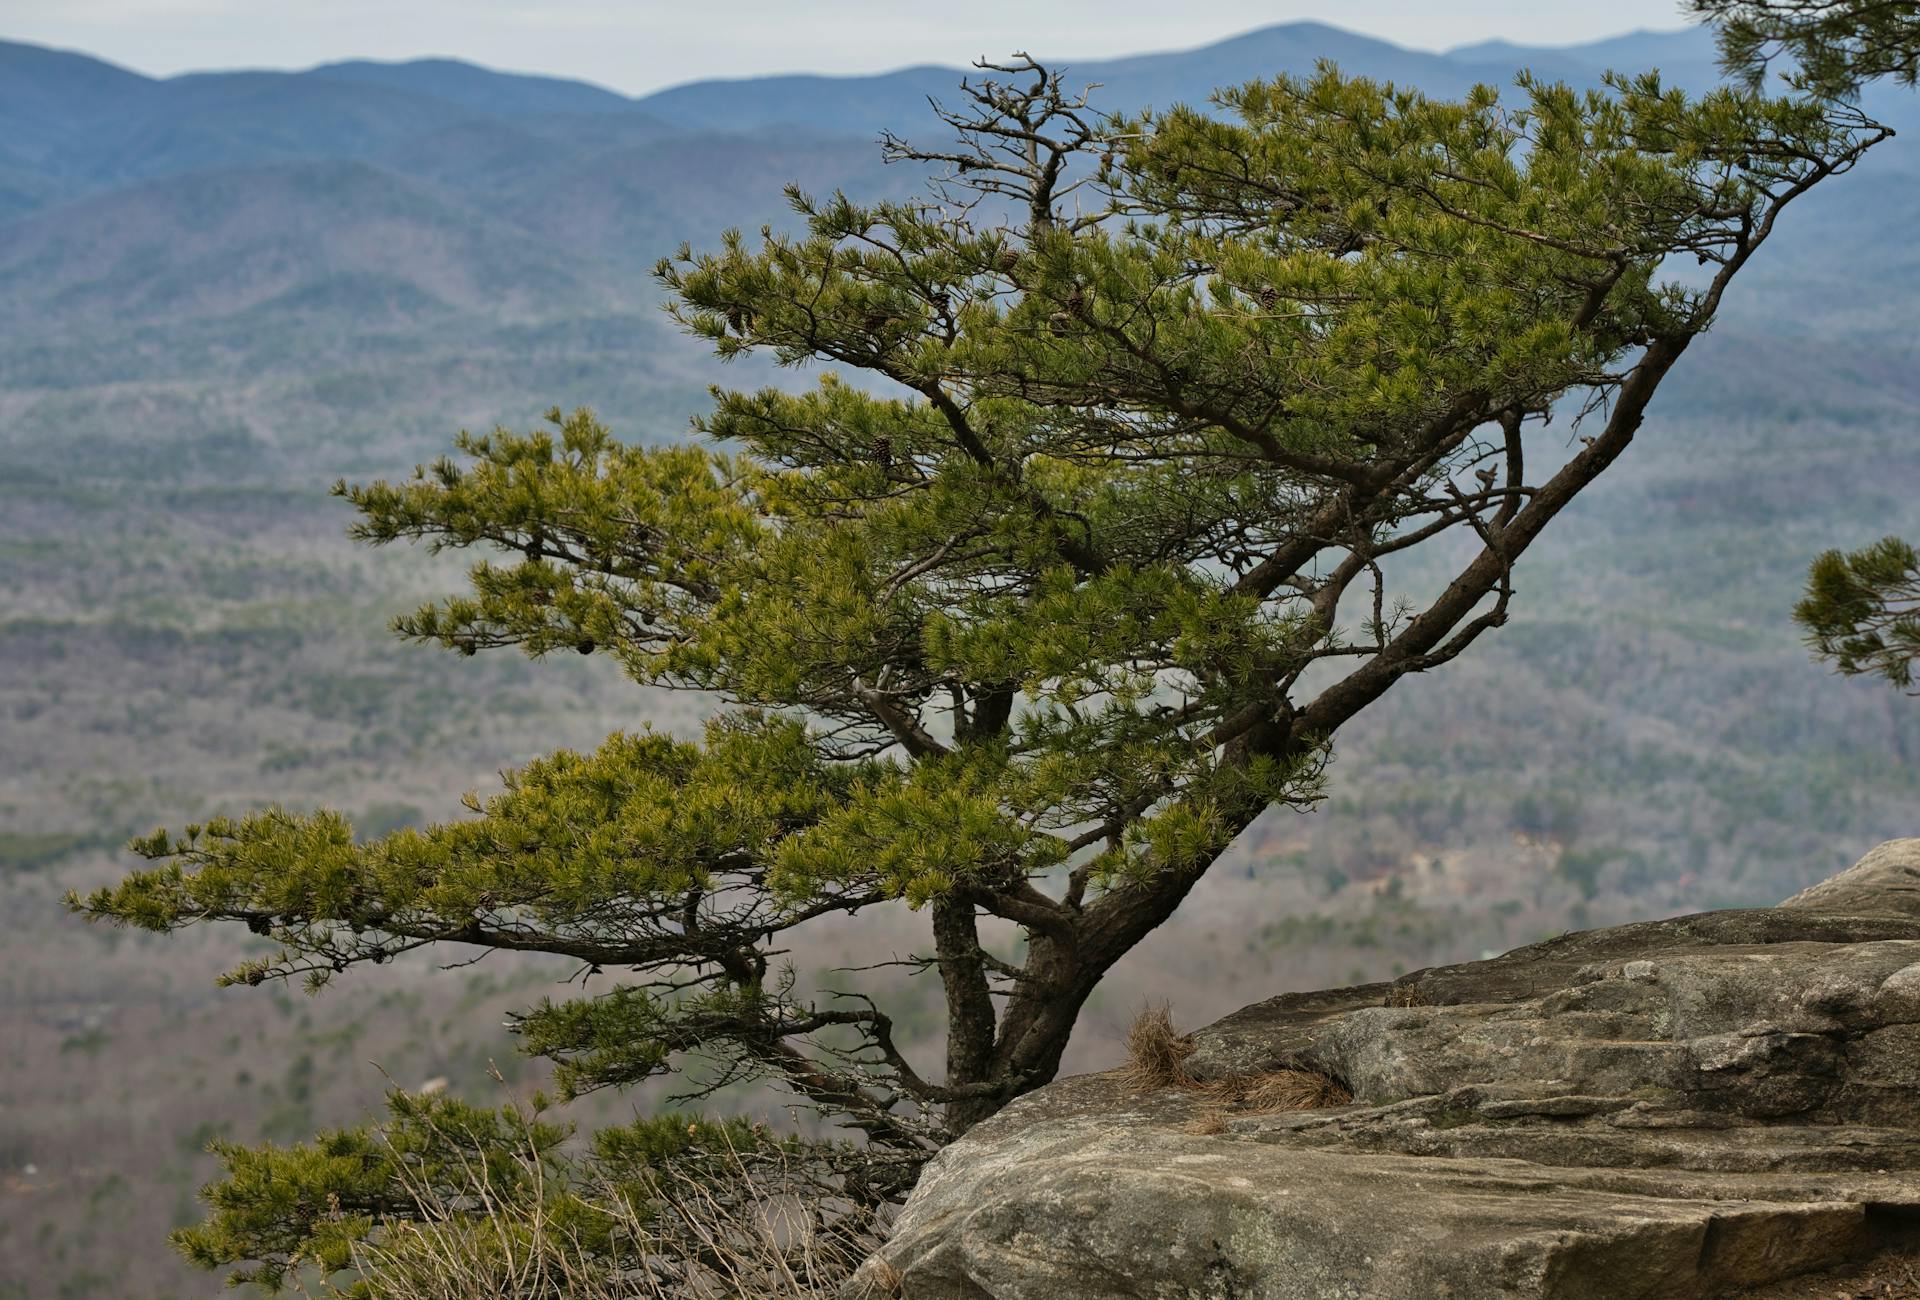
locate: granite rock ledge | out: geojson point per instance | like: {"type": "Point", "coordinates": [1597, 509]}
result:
{"type": "Point", "coordinates": [1678, 1108]}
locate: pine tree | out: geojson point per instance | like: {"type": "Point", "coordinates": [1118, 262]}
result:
{"type": "Point", "coordinates": [1075, 561]}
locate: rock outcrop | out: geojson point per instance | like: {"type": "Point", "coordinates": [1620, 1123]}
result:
{"type": "Point", "coordinates": [1680, 1108]}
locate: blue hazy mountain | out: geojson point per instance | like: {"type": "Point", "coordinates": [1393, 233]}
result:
{"type": "Point", "coordinates": [70, 124]}
{"type": "Point", "coordinates": [478, 89]}
{"type": "Point", "coordinates": [897, 100]}
{"type": "Point", "coordinates": [399, 192]}
{"type": "Point", "coordinates": [556, 192]}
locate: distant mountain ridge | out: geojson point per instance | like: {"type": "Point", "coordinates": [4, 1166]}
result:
{"type": "Point", "coordinates": [71, 124]}
{"type": "Point", "coordinates": [898, 99]}
{"type": "Point", "coordinates": [408, 190]}
{"type": "Point", "coordinates": [403, 193]}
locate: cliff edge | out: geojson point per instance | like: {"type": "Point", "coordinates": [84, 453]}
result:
{"type": "Point", "coordinates": [1691, 1107]}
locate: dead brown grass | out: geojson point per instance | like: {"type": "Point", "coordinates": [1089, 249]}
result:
{"type": "Point", "coordinates": [877, 1280]}
{"type": "Point", "coordinates": [1278, 1090]}
{"type": "Point", "coordinates": [1157, 1052]}
{"type": "Point", "coordinates": [1157, 1060]}
{"type": "Point", "coordinates": [744, 1228]}
{"type": "Point", "coordinates": [1207, 1123]}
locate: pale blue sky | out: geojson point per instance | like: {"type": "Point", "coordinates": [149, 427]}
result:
{"type": "Point", "coordinates": [640, 45]}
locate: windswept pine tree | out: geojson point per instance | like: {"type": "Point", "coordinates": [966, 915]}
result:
{"type": "Point", "coordinates": [1093, 533]}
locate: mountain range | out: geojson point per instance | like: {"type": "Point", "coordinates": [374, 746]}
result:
{"type": "Point", "coordinates": [457, 184]}
{"type": "Point", "coordinates": [388, 193]}
{"type": "Point", "coordinates": [72, 124]}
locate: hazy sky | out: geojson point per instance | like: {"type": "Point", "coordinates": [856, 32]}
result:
{"type": "Point", "coordinates": [641, 45]}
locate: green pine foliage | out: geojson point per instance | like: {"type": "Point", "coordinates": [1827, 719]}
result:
{"type": "Point", "coordinates": [315, 1207]}
{"type": "Point", "coordinates": [1862, 610]}
{"type": "Point", "coordinates": [280, 1209]}
{"type": "Point", "coordinates": [1073, 561]}
{"type": "Point", "coordinates": [1833, 46]}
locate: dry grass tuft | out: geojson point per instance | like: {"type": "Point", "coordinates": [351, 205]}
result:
{"type": "Point", "coordinates": [1157, 1059]}
{"type": "Point", "coordinates": [1208, 1122]}
{"type": "Point", "coordinates": [750, 1225]}
{"type": "Point", "coordinates": [878, 1280]}
{"type": "Point", "coordinates": [1156, 1052]}
{"type": "Point", "coordinates": [1279, 1090]}
{"type": "Point", "coordinates": [694, 1245]}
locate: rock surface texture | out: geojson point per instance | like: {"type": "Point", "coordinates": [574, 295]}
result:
{"type": "Point", "coordinates": [1681, 1108]}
